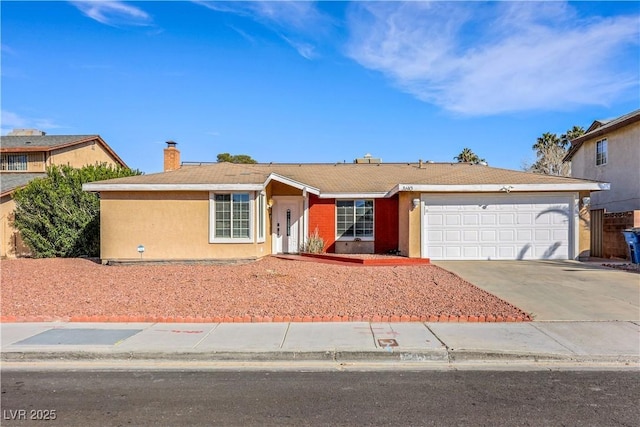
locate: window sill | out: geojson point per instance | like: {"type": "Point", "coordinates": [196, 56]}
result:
{"type": "Point", "coordinates": [230, 240]}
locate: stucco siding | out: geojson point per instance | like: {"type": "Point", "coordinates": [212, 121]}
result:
{"type": "Point", "coordinates": [88, 153]}
{"type": "Point", "coordinates": [7, 207]}
{"type": "Point", "coordinates": [409, 225]}
{"type": "Point", "coordinates": [170, 225]}
{"type": "Point", "coordinates": [36, 162]}
{"type": "Point", "coordinates": [622, 169]}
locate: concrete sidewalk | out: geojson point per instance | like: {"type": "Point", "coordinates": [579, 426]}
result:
{"type": "Point", "coordinates": [579, 342]}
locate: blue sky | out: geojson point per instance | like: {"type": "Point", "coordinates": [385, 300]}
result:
{"type": "Point", "coordinates": [318, 81]}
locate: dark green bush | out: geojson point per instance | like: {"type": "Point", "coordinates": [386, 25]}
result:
{"type": "Point", "coordinates": [56, 218]}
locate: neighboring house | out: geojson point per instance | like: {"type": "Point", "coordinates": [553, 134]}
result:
{"type": "Point", "coordinates": [25, 155]}
{"type": "Point", "coordinates": [610, 151]}
{"type": "Point", "coordinates": [429, 210]}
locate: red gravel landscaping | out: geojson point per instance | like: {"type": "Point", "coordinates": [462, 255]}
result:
{"type": "Point", "coordinates": [269, 289]}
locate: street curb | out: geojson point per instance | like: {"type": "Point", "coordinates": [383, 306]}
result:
{"type": "Point", "coordinates": [241, 356]}
{"type": "Point", "coordinates": [327, 355]}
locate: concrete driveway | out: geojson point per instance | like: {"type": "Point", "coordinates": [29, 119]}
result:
{"type": "Point", "coordinates": [556, 290]}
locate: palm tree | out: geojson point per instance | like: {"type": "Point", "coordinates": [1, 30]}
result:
{"type": "Point", "coordinates": [468, 156]}
{"type": "Point", "coordinates": [571, 134]}
{"type": "Point", "coordinates": [551, 150]}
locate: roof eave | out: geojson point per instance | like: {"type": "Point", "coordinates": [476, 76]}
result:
{"type": "Point", "coordinates": [497, 188]}
{"type": "Point", "coordinates": [599, 131]}
{"type": "Point", "coordinates": [97, 188]}
{"type": "Point", "coordinates": [373, 195]}
{"type": "Point", "coordinates": [292, 183]}
{"type": "Point", "coordinates": [47, 149]}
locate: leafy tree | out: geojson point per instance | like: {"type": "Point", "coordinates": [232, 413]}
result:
{"type": "Point", "coordinates": [551, 149]}
{"type": "Point", "coordinates": [235, 158]}
{"type": "Point", "coordinates": [56, 218]}
{"type": "Point", "coordinates": [468, 156]}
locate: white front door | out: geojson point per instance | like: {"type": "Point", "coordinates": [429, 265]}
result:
{"type": "Point", "coordinates": [286, 226]}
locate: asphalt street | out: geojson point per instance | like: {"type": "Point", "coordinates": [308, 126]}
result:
{"type": "Point", "coordinates": [535, 398]}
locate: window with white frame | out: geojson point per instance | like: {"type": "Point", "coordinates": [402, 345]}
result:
{"type": "Point", "coordinates": [261, 213]}
{"type": "Point", "coordinates": [231, 217]}
{"type": "Point", "coordinates": [13, 162]}
{"type": "Point", "coordinates": [601, 152]}
{"type": "Point", "coordinates": [354, 219]}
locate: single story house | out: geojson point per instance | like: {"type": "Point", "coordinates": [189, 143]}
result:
{"type": "Point", "coordinates": [431, 210]}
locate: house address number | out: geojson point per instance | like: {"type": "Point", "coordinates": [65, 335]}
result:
{"type": "Point", "coordinates": [406, 188]}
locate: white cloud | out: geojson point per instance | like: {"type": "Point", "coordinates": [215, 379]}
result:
{"type": "Point", "coordinates": [298, 23]}
{"type": "Point", "coordinates": [11, 120]}
{"type": "Point", "coordinates": [113, 12]}
{"type": "Point", "coordinates": [482, 59]}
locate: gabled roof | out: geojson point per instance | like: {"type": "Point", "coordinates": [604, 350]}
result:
{"type": "Point", "coordinates": [11, 181]}
{"type": "Point", "coordinates": [346, 179]}
{"type": "Point", "coordinates": [599, 128]}
{"type": "Point", "coordinates": [36, 143]}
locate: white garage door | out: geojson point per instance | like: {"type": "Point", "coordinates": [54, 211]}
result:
{"type": "Point", "coordinates": [505, 226]}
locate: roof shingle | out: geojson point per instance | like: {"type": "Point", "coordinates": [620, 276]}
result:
{"type": "Point", "coordinates": [345, 177]}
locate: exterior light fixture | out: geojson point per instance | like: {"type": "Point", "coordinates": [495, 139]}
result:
{"type": "Point", "coordinates": [507, 188]}
{"type": "Point", "coordinates": [140, 250]}
{"type": "Point", "coordinates": [416, 203]}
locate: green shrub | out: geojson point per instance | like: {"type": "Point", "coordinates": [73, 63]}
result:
{"type": "Point", "coordinates": [56, 218]}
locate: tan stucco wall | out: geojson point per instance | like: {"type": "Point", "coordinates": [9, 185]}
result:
{"type": "Point", "coordinates": [622, 169]}
{"type": "Point", "coordinates": [584, 227]}
{"type": "Point", "coordinates": [409, 225]}
{"type": "Point", "coordinates": [7, 206]}
{"type": "Point", "coordinates": [11, 244]}
{"type": "Point", "coordinates": [36, 162]}
{"type": "Point", "coordinates": [170, 225]}
{"type": "Point", "coordinates": [88, 153]}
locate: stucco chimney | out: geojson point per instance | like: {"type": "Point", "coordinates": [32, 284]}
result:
{"type": "Point", "coordinates": [171, 157]}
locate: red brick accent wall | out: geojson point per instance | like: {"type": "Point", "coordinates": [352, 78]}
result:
{"type": "Point", "coordinates": [386, 224]}
{"type": "Point", "coordinates": [613, 242]}
{"type": "Point", "coordinates": [322, 215]}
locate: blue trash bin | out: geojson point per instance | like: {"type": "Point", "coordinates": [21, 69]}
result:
{"type": "Point", "coordinates": [632, 237]}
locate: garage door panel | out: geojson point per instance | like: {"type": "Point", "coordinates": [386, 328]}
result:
{"type": "Point", "coordinates": [506, 252]}
{"type": "Point", "coordinates": [489, 235]}
{"type": "Point", "coordinates": [468, 219]}
{"type": "Point", "coordinates": [435, 236]}
{"type": "Point", "coordinates": [471, 236]}
{"type": "Point", "coordinates": [506, 219]}
{"type": "Point", "coordinates": [524, 235]}
{"type": "Point", "coordinates": [453, 219]}
{"type": "Point", "coordinates": [453, 251]}
{"type": "Point", "coordinates": [535, 226]}
{"type": "Point", "coordinates": [506, 235]}
{"type": "Point", "coordinates": [453, 236]}
{"type": "Point", "coordinates": [488, 252]}
{"type": "Point", "coordinates": [543, 235]}
{"type": "Point", "coordinates": [471, 252]}
{"type": "Point", "coordinates": [488, 219]}
{"type": "Point", "coordinates": [524, 218]}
